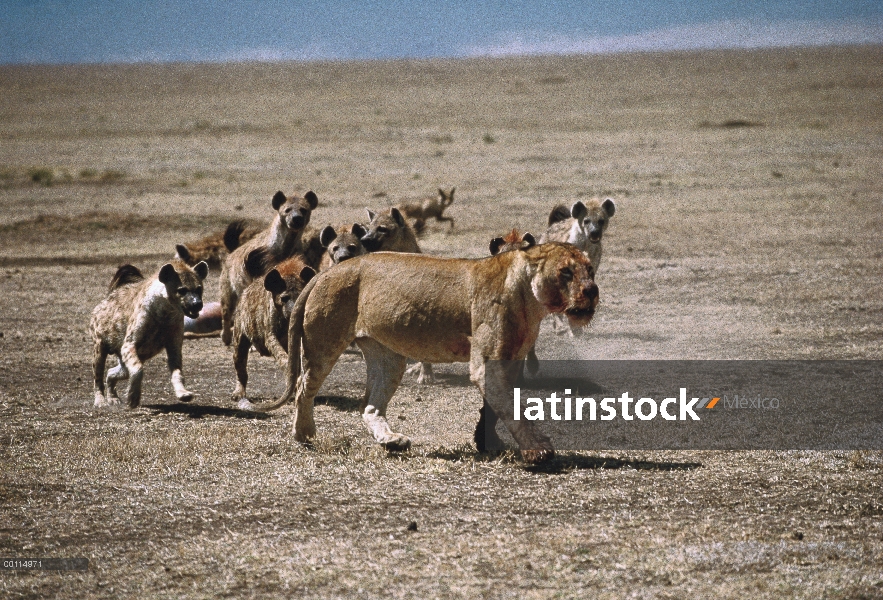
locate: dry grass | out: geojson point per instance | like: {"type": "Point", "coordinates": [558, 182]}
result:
{"type": "Point", "coordinates": [749, 191]}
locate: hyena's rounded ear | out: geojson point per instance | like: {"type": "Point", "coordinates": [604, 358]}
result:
{"type": "Point", "coordinates": [327, 235]}
{"type": "Point", "coordinates": [495, 245]}
{"type": "Point", "coordinates": [168, 275]}
{"type": "Point", "coordinates": [357, 230]}
{"type": "Point", "coordinates": [312, 199]}
{"type": "Point", "coordinates": [609, 206]}
{"type": "Point", "coordinates": [274, 283]}
{"type": "Point", "coordinates": [397, 216]}
{"type": "Point", "coordinates": [578, 210]}
{"type": "Point", "coordinates": [307, 273]}
{"type": "Point", "coordinates": [183, 253]}
{"type": "Point", "coordinates": [201, 270]}
{"type": "Point", "coordinates": [527, 241]}
{"type": "Point", "coordinates": [371, 214]}
{"type": "Point", "coordinates": [278, 200]}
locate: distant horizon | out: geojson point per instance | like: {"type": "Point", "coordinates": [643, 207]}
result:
{"type": "Point", "coordinates": [213, 31]}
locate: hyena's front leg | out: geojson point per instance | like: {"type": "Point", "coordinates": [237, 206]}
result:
{"type": "Point", "coordinates": [173, 353]}
{"type": "Point", "coordinates": [240, 365]}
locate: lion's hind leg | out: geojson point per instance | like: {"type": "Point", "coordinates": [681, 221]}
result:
{"type": "Point", "coordinates": [385, 371]}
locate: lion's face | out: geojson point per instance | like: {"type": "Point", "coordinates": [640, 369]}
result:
{"type": "Point", "coordinates": [565, 283]}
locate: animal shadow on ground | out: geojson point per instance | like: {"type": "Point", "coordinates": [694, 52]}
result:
{"type": "Point", "coordinates": [567, 463]}
{"type": "Point", "coordinates": [578, 386]}
{"type": "Point", "coordinates": [341, 403]}
{"type": "Point", "coordinates": [198, 411]}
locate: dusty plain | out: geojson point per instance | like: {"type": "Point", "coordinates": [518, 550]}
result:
{"type": "Point", "coordinates": [749, 187]}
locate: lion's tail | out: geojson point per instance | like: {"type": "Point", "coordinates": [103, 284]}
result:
{"type": "Point", "coordinates": [295, 333]}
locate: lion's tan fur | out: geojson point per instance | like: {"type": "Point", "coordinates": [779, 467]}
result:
{"type": "Point", "coordinates": [261, 318]}
{"type": "Point", "coordinates": [281, 240]}
{"type": "Point", "coordinates": [138, 319]}
{"type": "Point", "coordinates": [429, 208]}
{"type": "Point", "coordinates": [400, 306]}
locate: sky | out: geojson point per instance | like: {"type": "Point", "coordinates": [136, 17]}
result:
{"type": "Point", "coordinates": [101, 31]}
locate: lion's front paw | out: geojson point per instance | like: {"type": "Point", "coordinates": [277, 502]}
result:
{"type": "Point", "coordinates": [396, 442]}
{"type": "Point", "coordinates": [537, 456]}
{"type": "Point", "coordinates": [101, 401]}
{"type": "Point", "coordinates": [245, 404]}
{"type": "Point", "coordinates": [185, 396]}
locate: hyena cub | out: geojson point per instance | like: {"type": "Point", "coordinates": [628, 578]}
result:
{"type": "Point", "coordinates": [281, 240]}
{"type": "Point", "coordinates": [213, 249]}
{"type": "Point", "coordinates": [430, 208]}
{"type": "Point", "coordinates": [139, 318]}
{"type": "Point", "coordinates": [582, 225]}
{"type": "Point", "coordinates": [262, 315]}
{"type": "Point", "coordinates": [341, 244]}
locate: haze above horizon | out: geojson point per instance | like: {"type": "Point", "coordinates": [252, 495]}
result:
{"type": "Point", "coordinates": [125, 31]}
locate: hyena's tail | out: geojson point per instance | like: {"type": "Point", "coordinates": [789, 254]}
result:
{"type": "Point", "coordinates": [559, 213]}
{"type": "Point", "coordinates": [295, 333]}
{"type": "Point", "coordinates": [125, 275]}
{"type": "Point", "coordinates": [233, 234]}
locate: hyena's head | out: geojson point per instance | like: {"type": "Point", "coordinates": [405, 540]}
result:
{"type": "Point", "coordinates": [294, 212]}
{"type": "Point", "coordinates": [512, 241]}
{"type": "Point", "coordinates": [384, 231]}
{"type": "Point", "coordinates": [564, 281]}
{"type": "Point", "coordinates": [593, 217]}
{"type": "Point", "coordinates": [184, 285]}
{"type": "Point", "coordinates": [344, 245]}
{"type": "Point", "coordinates": [286, 281]}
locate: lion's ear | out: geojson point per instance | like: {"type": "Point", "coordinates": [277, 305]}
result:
{"type": "Point", "coordinates": [495, 245]}
{"type": "Point", "coordinates": [609, 206]}
{"type": "Point", "coordinates": [371, 214]}
{"type": "Point", "coordinates": [397, 216]}
{"type": "Point", "coordinates": [527, 241]}
{"type": "Point", "coordinates": [327, 235]}
{"type": "Point", "coordinates": [357, 230]}
{"type": "Point", "coordinates": [578, 210]}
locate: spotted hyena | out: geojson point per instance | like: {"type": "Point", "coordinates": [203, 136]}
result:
{"type": "Point", "coordinates": [340, 244]}
{"type": "Point", "coordinates": [281, 240]}
{"type": "Point", "coordinates": [139, 318]}
{"type": "Point", "coordinates": [261, 318]}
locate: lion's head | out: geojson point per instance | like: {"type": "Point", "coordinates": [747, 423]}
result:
{"type": "Point", "coordinates": [564, 281]}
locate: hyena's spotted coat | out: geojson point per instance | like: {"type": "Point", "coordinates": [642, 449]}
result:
{"type": "Point", "coordinates": [140, 318]}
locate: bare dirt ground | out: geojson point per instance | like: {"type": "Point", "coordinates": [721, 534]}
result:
{"type": "Point", "coordinates": [749, 188]}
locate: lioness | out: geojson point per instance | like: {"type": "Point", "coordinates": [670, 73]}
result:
{"type": "Point", "coordinates": [400, 306]}
{"type": "Point", "coordinates": [138, 319]}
